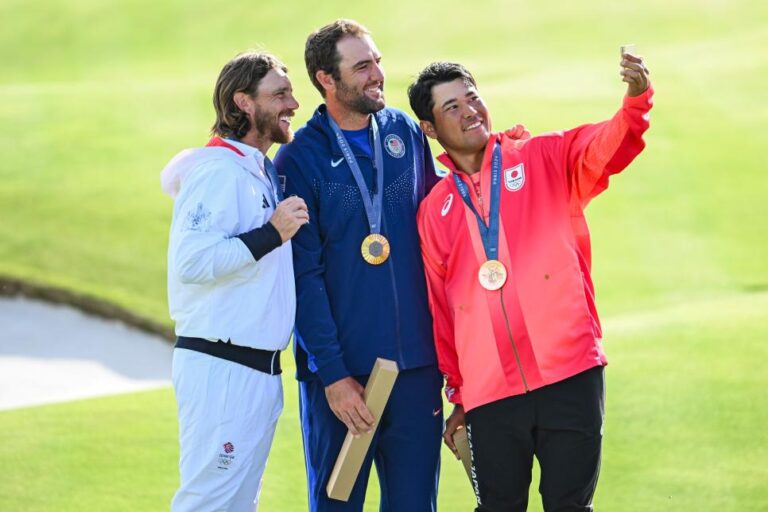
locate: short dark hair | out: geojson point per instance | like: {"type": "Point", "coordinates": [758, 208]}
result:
{"type": "Point", "coordinates": [420, 91]}
{"type": "Point", "coordinates": [241, 74]}
{"type": "Point", "coordinates": [320, 52]}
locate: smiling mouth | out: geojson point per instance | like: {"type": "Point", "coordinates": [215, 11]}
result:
{"type": "Point", "coordinates": [286, 118]}
{"type": "Point", "coordinates": [375, 88]}
{"type": "Point", "coordinates": [473, 126]}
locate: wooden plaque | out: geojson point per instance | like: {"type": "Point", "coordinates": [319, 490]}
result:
{"type": "Point", "coordinates": [353, 451]}
{"type": "Point", "coordinates": [462, 445]}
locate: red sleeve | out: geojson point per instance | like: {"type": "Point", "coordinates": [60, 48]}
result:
{"type": "Point", "coordinates": [442, 320]}
{"type": "Point", "coordinates": [594, 152]}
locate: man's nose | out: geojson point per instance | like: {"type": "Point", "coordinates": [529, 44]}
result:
{"type": "Point", "coordinates": [468, 110]}
{"type": "Point", "coordinates": [377, 72]}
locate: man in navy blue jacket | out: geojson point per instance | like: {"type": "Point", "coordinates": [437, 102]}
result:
{"type": "Point", "coordinates": [362, 169]}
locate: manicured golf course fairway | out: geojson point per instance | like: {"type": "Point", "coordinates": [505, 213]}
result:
{"type": "Point", "coordinates": [95, 97]}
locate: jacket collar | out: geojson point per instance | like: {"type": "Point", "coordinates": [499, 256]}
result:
{"type": "Point", "coordinates": [249, 153]}
{"type": "Point", "coordinates": [320, 122]}
{"type": "Point", "coordinates": [445, 159]}
{"type": "Point", "coordinates": [514, 135]}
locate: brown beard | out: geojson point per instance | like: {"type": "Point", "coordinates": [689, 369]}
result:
{"type": "Point", "coordinates": [357, 102]}
{"type": "Point", "coordinates": [267, 124]}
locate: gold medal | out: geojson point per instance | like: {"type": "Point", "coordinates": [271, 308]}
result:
{"type": "Point", "coordinates": [375, 249]}
{"type": "Point", "coordinates": [492, 275]}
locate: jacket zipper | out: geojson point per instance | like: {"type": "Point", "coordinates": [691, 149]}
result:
{"type": "Point", "coordinates": [503, 308]}
{"type": "Point", "coordinates": [512, 341]}
{"type": "Point", "coordinates": [393, 279]}
{"type": "Point", "coordinates": [398, 343]}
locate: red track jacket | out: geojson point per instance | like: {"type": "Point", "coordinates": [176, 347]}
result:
{"type": "Point", "coordinates": [542, 326]}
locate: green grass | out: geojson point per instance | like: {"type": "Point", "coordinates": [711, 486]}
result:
{"type": "Point", "coordinates": [96, 97]}
{"type": "Point", "coordinates": [684, 430]}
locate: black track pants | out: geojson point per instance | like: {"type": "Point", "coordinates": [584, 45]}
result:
{"type": "Point", "coordinates": [561, 424]}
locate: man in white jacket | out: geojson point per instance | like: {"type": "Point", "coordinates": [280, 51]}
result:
{"type": "Point", "coordinates": [231, 288]}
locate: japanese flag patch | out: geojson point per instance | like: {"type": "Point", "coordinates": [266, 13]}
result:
{"type": "Point", "coordinates": [514, 178]}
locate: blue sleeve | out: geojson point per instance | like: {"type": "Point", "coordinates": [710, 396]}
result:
{"type": "Point", "coordinates": [314, 320]}
{"type": "Point", "coordinates": [430, 175]}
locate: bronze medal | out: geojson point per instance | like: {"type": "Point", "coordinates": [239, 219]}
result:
{"type": "Point", "coordinates": [375, 249]}
{"type": "Point", "coordinates": [492, 275]}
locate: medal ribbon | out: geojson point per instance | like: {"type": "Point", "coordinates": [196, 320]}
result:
{"type": "Point", "coordinates": [269, 167]}
{"type": "Point", "coordinates": [489, 233]}
{"type": "Point", "coordinates": [371, 201]}
{"type": "Point", "coordinates": [273, 178]}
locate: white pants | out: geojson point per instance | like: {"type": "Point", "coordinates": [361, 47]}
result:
{"type": "Point", "coordinates": [227, 418]}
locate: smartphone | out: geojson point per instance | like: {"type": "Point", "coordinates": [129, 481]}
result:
{"type": "Point", "coordinates": [630, 49]}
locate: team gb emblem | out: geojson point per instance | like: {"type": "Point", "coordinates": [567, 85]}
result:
{"type": "Point", "coordinates": [514, 178]}
{"type": "Point", "coordinates": [394, 145]}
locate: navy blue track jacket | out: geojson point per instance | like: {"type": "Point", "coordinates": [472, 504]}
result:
{"type": "Point", "coordinates": [348, 311]}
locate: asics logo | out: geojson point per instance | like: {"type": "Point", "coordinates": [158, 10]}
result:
{"type": "Point", "coordinates": [447, 205]}
{"type": "Point", "coordinates": [336, 162]}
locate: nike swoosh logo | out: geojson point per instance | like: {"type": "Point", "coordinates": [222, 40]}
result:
{"type": "Point", "coordinates": [337, 162]}
{"type": "Point", "coordinates": [437, 411]}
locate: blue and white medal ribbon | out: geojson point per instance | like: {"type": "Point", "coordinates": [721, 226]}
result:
{"type": "Point", "coordinates": [273, 179]}
{"type": "Point", "coordinates": [492, 274]}
{"type": "Point", "coordinates": [375, 247]}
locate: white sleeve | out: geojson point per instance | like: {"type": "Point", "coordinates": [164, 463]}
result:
{"type": "Point", "coordinates": [206, 222]}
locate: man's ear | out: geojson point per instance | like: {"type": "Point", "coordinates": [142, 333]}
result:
{"type": "Point", "coordinates": [244, 102]}
{"type": "Point", "coordinates": [429, 129]}
{"type": "Point", "coordinates": [326, 80]}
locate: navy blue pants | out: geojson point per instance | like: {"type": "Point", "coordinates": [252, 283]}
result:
{"type": "Point", "coordinates": [405, 447]}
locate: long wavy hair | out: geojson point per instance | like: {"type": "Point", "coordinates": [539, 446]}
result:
{"type": "Point", "coordinates": [241, 74]}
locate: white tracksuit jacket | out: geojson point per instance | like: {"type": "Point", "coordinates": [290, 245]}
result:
{"type": "Point", "coordinates": [215, 288]}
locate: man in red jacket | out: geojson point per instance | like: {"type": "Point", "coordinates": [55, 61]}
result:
{"type": "Point", "coordinates": [507, 256]}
